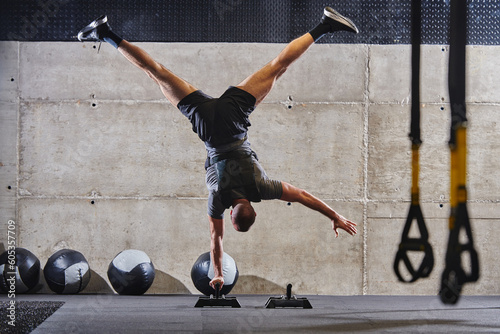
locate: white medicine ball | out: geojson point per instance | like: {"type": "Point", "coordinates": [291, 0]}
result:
{"type": "Point", "coordinates": [131, 272]}
{"type": "Point", "coordinates": [67, 272]}
{"type": "Point", "coordinates": [202, 273]}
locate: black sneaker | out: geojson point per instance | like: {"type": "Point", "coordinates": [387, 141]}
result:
{"type": "Point", "coordinates": [95, 31]}
{"type": "Point", "coordinates": [337, 21]}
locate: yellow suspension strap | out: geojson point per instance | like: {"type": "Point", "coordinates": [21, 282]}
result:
{"type": "Point", "coordinates": [454, 275]}
{"type": "Point", "coordinates": [420, 244]}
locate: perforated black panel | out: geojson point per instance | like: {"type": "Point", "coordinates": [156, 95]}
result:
{"type": "Point", "coordinates": [271, 21]}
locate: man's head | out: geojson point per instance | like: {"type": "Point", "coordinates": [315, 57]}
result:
{"type": "Point", "coordinates": [242, 215]}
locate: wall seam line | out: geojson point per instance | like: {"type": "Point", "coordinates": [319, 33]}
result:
{"type": "Point", "coordinates": [365, 170]}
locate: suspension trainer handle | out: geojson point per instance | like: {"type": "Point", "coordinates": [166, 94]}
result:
{"type": "Point", "coordinates": [414, 245]}
{"type": "Point", "coordinates": [454, 275]}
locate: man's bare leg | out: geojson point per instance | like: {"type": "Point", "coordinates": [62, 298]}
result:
{"type": "Point", "coordinates": [173, 87]}
{"type": "Point", "coordinates": [261, 82]}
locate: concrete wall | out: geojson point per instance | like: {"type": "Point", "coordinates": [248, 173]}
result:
{"type": "Point", "coordinates": [93, 158]}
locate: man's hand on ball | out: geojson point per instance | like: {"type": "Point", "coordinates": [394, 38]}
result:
{"type": "Point", "coordinates": [215, 280]}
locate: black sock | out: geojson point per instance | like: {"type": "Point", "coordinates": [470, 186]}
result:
{"type": "Point", "coordinates": [112, 39]}
{"type": "Point", "coordinates": [320, 30]}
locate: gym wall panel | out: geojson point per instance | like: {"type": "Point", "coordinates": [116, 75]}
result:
{"type": "Point", "coordinates": [389, 161]}
{"type": "Point", "coordinates": [89, 73]}
{"type": "Point", "coordinates": [482, 80]}
{"type": "Point", "coordinates": [326, 73]}
{"type": "Point", "coordinates": [483, 162]}
{"type": "Point", "coordinates": [112, 149]}
{"type": "Point", "coordinates": [390, 74]}
{"type": "Point", "coordinates": [77, 71]}
{"type": "Point", "coordinates": [327, 160]}
{"type": "Point", "coordinates": [9, 71]}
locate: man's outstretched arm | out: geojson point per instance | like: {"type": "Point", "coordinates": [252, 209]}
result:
{"type": "Point", "coordinates": [216, 249]}
{"type": "Point", "coordinates": [294, 194]}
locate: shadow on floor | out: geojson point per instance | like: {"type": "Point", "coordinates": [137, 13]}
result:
{"type": "Point", "coordinates": [164, 283]}
{"type": "Point", "coordinates": [249, 284]}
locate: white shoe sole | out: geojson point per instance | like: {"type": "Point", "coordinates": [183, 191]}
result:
{"type": "Point", "coordinates": [91, 26]}
{"type": "Point", "coordinates": [334, 15]}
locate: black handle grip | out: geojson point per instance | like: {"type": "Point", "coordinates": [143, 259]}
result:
{"type": "Point", "coordinates": [425, 267]}
{"type": "Point", "coordinates": [454, 275]}
{"type": "Point", "coordinates": [289, 291]}
{"type": "Point", "coordinates": [415, 245]}
{"type": "Point", "coordinates": [217, 290]}
{"type": "Point", "coordinates": [452, 281]}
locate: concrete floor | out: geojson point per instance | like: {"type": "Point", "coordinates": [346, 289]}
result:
{"type": "Point", "coordinates": [177, 314]}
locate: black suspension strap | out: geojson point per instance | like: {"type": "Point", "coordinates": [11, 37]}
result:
{"type": "Point", "coordinates": [454, 275]}
{"type": "Point", "coordinates": [421, 244]}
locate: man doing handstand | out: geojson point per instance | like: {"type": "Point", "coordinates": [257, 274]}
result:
{"type": "Point", "coordinates": [234, 176]}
